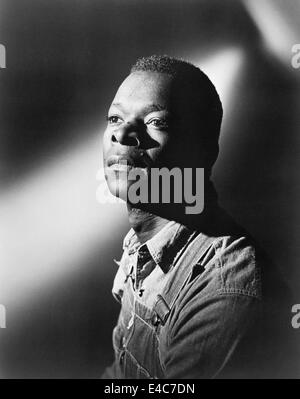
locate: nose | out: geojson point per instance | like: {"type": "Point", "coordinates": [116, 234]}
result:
{"type": "Point", "coordinates": [126, 135]}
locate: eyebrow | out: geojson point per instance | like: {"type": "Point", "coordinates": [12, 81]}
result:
{"type": "Point", "coordinates": [147, 110]}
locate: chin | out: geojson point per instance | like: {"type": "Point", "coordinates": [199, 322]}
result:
{"type": "Point", "coordinates": [118, 187]}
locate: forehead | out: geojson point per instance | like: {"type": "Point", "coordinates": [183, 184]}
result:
{"type": "Point", "coordinates": [145, 87]}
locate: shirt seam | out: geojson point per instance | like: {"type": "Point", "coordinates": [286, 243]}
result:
{"type": "Point", "coordinates": [219, 292]}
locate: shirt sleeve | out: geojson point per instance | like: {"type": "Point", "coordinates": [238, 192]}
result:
{"type": "Point", "coordinates": [207, 335]}
{"type": "Point", "coordinates": [214, 314]}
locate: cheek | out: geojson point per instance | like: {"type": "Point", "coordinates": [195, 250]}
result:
{"type": "Point", "coordinates": [106, 141]}
{"type": "Point", "coordinates": [174, 153]}
{"type": "Point", "coordinates": [162, 146]}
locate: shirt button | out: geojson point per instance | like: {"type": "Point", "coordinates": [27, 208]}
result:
{"type": "Point", "coordinates": [122, 357]}
{"type": "Point", "coordinates": [130, 322]}
{"type": "Point", "coordinates": [155, 320]}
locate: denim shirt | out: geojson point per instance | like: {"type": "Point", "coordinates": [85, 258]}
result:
{"type": "Point", "coordinates": [189, 303]}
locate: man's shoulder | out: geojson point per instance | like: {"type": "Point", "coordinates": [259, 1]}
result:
{"type": "Point", "coordinates": [238, 265]}
{"type": "Point", "coordinates": [231, 263]}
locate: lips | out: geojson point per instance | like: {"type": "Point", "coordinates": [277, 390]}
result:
{"type": "Point", "coordinates": [119, 160]}
{"type": "Point", "coordinates": [122, 161]}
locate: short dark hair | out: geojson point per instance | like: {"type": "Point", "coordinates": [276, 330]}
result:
{"type": "Point", "coordinates": [197, 81]}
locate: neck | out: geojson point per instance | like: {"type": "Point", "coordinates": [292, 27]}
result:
{"type": "Point", "coordinates": [145, 224]}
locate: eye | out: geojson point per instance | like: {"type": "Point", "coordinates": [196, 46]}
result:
{"type": "Point", "coordinates": [158, 123]}
{"type": "Point", "coordinates": [113, 119]}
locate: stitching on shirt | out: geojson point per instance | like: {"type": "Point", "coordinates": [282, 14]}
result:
{"type": "Point", "coordinates": [154, 330]}
{"type": "Point", "coordinates": [217, 293]}
{"type": "Point", "coordinates": [257, 274]}
{"type": "Point", "coordinates": [138, 364]}
{"type": "Point", "coordinates": [162, 366]}
{"type": "Point", "coordinates": [148, 324]}
{"type": "Point", "coordinates": [156, 333]}
{"type": "Point", "coordinates": [230, 291]}
{"type": "Point", "coordinates": [253, 293]}
{"type": "Point", "coordinates": [256, 291]}
{"type": "Point", "coordinates": [237, 291]}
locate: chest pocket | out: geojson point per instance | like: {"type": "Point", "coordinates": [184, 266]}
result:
{"type": "Point", "coordinates": [143, 345]}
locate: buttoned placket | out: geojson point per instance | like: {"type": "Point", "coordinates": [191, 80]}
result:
{"type": "Point", "coordinates": [138, 263]}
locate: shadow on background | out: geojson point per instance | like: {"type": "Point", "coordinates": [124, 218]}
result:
{"type": "Point", "coordinates": [64, 63]}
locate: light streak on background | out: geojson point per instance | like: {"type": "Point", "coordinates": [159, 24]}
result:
{"type": "Point", "coordinates": [229, 60]}
{"type": "Point", "coordinates": [50, 222]}
{"type": "Point", "coordinates": [271, 17]}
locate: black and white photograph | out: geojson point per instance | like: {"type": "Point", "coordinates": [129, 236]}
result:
{"type": "Point", "coordinates": [149, 192]}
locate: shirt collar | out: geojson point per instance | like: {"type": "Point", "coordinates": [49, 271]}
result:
{"type": "Point", "coordinates": [163, 246]}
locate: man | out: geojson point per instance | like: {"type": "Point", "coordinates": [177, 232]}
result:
{"type": "Point", "coordinates": [190, 285]}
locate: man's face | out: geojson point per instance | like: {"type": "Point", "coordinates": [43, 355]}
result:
{"type": "Point", "coordinates": [149, 125]}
